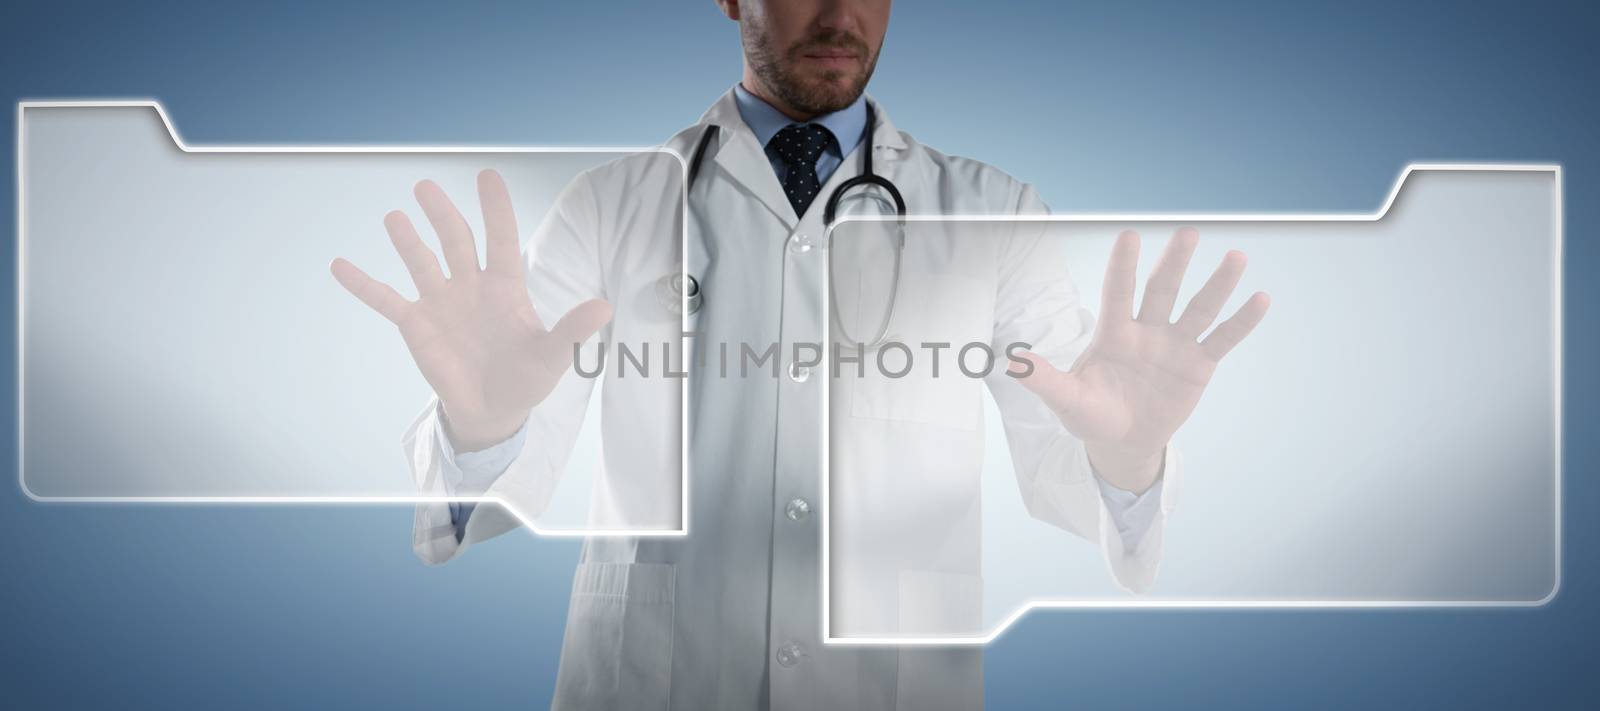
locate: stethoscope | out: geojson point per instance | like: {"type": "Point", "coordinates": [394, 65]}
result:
{"type": "Point", "coordinates": [682, 293]}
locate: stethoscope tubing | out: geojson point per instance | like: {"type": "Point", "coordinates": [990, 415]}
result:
{"type": "Point", "coordinates": [830, 210]}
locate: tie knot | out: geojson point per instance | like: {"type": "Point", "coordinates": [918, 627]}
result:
{"type": "Point", "coordinates": [799, 145]}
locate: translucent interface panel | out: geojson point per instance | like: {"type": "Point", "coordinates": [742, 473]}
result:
{"type": "Point", "coordinates": [182, 337]}
{"type": "Point", "coordinates": [1387, 436]}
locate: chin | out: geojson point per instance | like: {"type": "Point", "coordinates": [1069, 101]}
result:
{"type": "Point", "coordinates": [832, 93]}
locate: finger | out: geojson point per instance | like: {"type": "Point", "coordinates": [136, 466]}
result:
{"type": "Point", "coordinates": [1116, 296]}
{"type": "Point", "coordinates": [1161, 291]}
{"type": "Point", "coordinates": [1207, 303]}
{"type": "Point", "coordinates": [455, 237]}
{"type": "Point", "coordinates": [1055, 387]}
{"type": "Point", "coordinates": [376, 294]}
{"type": "Point", "coordinates": [1230, 332]}
{"type": "Point", "coordinates": [502, 251]}
{"type": "Point", "coordinates": [420, 261]}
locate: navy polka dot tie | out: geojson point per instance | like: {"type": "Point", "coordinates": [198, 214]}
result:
{"type": "Point", "coordinates": [799, 147]}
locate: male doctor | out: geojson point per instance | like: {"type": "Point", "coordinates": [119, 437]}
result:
{"type": "Point", "coordinates": [729, 617]}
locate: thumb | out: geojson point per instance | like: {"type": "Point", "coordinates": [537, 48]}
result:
{"type": "Point", "coordinates": [581, 322]}
{"type": "Point", "coordinates": [1056, 388]}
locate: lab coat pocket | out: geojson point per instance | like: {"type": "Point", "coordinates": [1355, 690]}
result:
{"type": "Point", "coordinates": [617, 652]}
{"type": "Point", "coordinates": [915, 376]}
{"type": "Point", "coordinates": [940, 604]}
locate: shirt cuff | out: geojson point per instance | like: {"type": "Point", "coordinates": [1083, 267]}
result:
{"type": "Point", "coordinates": [471, 473]}
{"type": "Point", "coordinates": [1131, 513]}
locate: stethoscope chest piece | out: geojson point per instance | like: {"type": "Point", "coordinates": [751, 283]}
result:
{"type": "Point", "coordinates": [679, 291]}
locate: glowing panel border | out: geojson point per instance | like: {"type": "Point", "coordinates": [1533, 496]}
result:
{"type": "Point", "coordinates": [1201, 218]}
{"type": "Point", "coordinates": [177, 140]}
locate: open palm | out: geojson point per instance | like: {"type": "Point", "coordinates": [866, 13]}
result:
{"type": "Point", "coordinates": [474, 334]}
{"type": "Point", "coordinates": [1141, 377]}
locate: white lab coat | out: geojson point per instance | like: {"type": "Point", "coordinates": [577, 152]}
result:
{"type": "Point", "coordinates": [729, 617]}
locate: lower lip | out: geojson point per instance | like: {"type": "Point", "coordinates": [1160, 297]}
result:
{"type": "Point", "coordinates": [832, 62]}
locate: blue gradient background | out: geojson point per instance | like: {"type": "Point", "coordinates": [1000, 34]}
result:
{"type": "Point", "coordinates": [1104, 106]}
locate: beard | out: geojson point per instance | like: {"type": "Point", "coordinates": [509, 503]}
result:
{"type": "Point", "coordinates": [812, 93]}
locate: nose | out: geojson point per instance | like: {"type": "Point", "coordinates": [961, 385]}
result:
{"type": "Point", "coordinates": [839, 15]}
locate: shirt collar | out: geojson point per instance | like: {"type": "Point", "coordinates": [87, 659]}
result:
{"type": "Point", "coordinates": [848, 124]}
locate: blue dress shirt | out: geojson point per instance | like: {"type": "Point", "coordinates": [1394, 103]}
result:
{"type": "Point", "coordinates": [848, 126]}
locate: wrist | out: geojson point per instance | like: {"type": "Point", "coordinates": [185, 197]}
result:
{"type": "Point", "coordinates": [1134, 471]}
{"type": "Point", "coordinates": [469, 432]}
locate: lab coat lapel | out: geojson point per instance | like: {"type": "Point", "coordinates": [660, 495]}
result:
{"type": "Point", "coordinates": [884, 133]}
{"type": "Point", "coordinates": [745, 160]}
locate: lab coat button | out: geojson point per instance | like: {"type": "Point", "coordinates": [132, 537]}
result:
{"type": "Point", "coordinates": [800, 243]}
{"type": "Point", "coordinates": [790, 654]}
{"type": "Point", "coordinates": [797, 510]}
{"type": "Point", "coordinates": [799, 373]}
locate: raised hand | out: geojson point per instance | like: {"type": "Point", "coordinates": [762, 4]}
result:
{"type": "Point", "coordinates": [474, 334]}
{"type": "Point", "coordinates": [1141, 377]}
